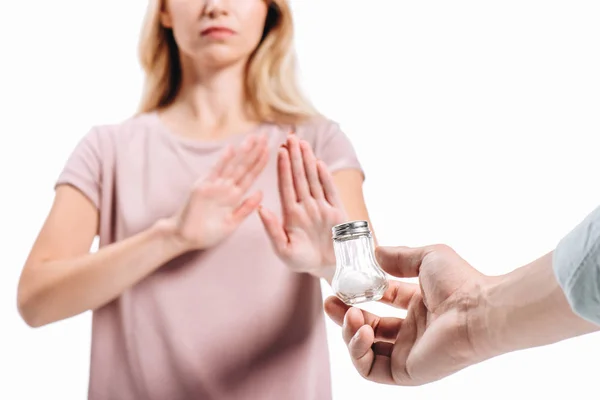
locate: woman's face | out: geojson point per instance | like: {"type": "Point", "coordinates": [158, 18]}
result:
{"type": "Point", "coordinates": [216, 33]}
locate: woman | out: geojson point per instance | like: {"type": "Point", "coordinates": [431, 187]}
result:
{"type": "Point", "coordinates": [194, 294]}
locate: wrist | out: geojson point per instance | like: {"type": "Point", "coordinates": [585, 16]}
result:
{"type": "Point", "coordinates": [326, 272]}
{"type": "Point", "coordinates": [513, 313]}
{"type": "Point", "coordinates": [487, 320]}
{"type": "Point", "coordinates": [174, 243]}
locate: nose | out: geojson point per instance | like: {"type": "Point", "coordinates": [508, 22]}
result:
{"type": "Point", "coordinates": [214, 8]}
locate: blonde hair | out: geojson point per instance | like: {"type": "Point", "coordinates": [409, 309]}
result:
{"type": "Point", "coordinates": [271, 81]}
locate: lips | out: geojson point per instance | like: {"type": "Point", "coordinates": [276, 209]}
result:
{"type": "Point", "coordinates": [216, 30]}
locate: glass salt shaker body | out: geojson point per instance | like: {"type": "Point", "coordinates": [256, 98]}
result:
{"type": "Point", "coordinates": [358, 278]}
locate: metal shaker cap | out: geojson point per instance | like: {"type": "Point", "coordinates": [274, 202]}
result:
{"type": "Point", "coordinates": [351, 228]}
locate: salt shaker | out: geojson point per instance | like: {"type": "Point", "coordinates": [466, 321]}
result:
{"type": "Point", "coordinates": [358, 278]}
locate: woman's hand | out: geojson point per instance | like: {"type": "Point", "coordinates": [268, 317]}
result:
{"type": "Point", "coordinates": [310, 208]}
{"type": "Point", "coordinates": [217, 204]}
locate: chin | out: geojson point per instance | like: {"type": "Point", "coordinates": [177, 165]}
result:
{"type": "Point", "coordinates": [220, 58]}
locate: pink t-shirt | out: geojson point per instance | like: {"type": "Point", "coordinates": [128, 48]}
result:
{"type": "Point", "coordinates": [230, 322]}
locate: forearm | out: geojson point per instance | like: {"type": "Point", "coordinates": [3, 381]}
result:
{"type": "Point", "coordinates": [56, 290]}
{"type": "Point", "coordinates": [526, 308]}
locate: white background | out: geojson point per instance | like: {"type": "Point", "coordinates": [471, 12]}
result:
{"type": "Point", "coordinates": [475, 122]}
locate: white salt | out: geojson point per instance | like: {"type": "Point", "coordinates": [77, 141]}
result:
{"type": "Point", "coordinates": [354, 282]}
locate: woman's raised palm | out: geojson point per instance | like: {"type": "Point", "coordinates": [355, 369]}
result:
{"type": "Point", "coordinates": [218, 204]}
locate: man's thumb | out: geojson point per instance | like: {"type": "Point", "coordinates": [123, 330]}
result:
{"type": "Point", "coordinates": [400, 261]}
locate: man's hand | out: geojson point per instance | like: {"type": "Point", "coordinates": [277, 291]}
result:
{"type": "Point", "coordinates": [433, 341]}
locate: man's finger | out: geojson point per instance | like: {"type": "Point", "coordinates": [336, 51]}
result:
{"type": "Point", "coordinates": [398, 294]}
{"type": "Point", "coordinates": [364, 354]}
{"type": "Point", "coordinates": [385, 328]}
{"type": "Point", "coordinates": [402, 262]}
{"type": "Point", "coordinates": [353, 321]}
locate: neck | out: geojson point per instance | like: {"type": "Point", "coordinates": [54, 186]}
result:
{"type": "Point", "coordinates": [215, 98]}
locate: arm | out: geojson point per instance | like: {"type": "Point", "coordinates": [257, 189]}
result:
{"type": "Point", "coordinates": [525, 308]}
{"type": "Point", "coordinates": [61, 279]}
{"type": "Point", "coordinates": [553, 298]}
{"type": "Point", "coordinates": [455, 316]}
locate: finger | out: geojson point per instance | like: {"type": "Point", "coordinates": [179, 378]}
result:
{"type": "Point", "coordinates": [247, 162]}
{"type": "Point", "coordinates": [406, 341]}
{"type": "Point", "coordinates": [328, 185]}
{"type": "Point", "coordinates": [286, 182]}
{"type": "Point", "coordinates": [365, 335]}
{"type": "Point", "coordinates": [274, 229]}
{"type": "Point", "coordinates": [298, 173]}
{"type": "Point", "coordinates": [250, 176]}
{"type": "Point", "coordinates": [353, 321]}
{"type": "Point", "coordinates": [385, 328]}
{"type": "Point", "coordinates": [241, 153]}
{"type": "Point", "coordinates": [335, 309]}
{"type": "Point", "coordinates": [310, 168]}
{"type": "Point", "coordinates": [402, 262]}
{"type": "Point", "coordinates": [399, 294]}
{"type": "Point", "coordinates": [247, 207]}
{"type": "Point", "coordinates": [383, 348]}
{"type": "Point", "coordinates": [366, 359]}
{"type": "Point", "coordinates": [224, 160]}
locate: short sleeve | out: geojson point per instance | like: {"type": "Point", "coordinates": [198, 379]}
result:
{"type": "Point", "coordinates": [576, 263]}
{"type": "Point", "coordinates": [334, 147]}
{"type": "Point", "coordinates": [83, 168]}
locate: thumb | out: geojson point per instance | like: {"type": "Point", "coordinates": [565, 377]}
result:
{"type": "Point", "coordinates": [274, 229]}
{"type": "Point", "coordinates": [400, 261]}
{"type": "Point", "coordinates": [246, 208]}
